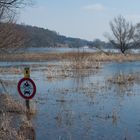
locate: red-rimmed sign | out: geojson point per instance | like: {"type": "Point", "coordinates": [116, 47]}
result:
{"type": "Point", "coordinates": [26, 88]}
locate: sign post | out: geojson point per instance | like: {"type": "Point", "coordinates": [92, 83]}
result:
{"type": "Point", "coordinates": [26, 87]}
{"type": "Point", "coordinates": [27, 75]}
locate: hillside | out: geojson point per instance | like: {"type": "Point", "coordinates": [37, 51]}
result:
{"type": "Point", "coordinates": [40, 37]}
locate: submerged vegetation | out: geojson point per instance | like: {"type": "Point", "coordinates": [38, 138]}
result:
{"type": "Point", "coordinates": [121, 78]}
{"type": "Point", "coordinates": [76, 66]}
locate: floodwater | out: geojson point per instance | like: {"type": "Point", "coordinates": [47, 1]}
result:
{"type": "Point", "coordinates": [64, 50]}
{"type": "Point", "coordinates": [60, 50]}
{"type": "Point", "coordinates": [81, 107]}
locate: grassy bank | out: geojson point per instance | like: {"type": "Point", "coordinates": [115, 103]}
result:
{"type": "Point", "coordinates": [13, 122]}
{"type": "Point", "coordinates": [68, 56]}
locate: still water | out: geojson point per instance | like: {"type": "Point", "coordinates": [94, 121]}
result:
{"type": "Point", "coordinates": [82, 107]}
{"type": "Point", "coordinates": [64, 50]}
{"type": "Point", "coordinates": [60, 50]}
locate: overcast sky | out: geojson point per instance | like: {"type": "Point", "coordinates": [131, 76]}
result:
{"type": "Point", "coordinates": [87, 19]}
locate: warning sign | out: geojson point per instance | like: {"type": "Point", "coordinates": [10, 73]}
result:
{"type": "Point", "coordinates": [26, 88]}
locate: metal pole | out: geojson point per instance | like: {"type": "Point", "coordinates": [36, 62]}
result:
{"type": "Point", "coordinates": [27, 75]}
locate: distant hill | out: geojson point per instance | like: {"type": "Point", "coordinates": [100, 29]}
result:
{"type": "Point", "coordinates": [40, 37]}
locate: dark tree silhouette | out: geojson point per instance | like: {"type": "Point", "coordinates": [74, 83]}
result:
{"type": "Point", "coordinates": [122, 34]}
{"type": "Point", "coordinates": [8, 8]}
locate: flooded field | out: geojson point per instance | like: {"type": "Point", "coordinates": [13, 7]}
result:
{"type": "Point", "coordinates": [100, 102]}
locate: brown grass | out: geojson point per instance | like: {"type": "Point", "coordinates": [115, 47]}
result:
{"type": "Point", "coordinates": [70, 55]}
{"type": "Point", "coordinates": [122, 79]}
{"type": "Point", "coordinates": [71, 68]}
{"type": "Point", "coordinates": [77, 65]}
{"type": "Point", "coordinates": [9, 105]}
{"type": "Point", "coordinates": [4, 70]}
{"type": "Point", "coordinates": [10, 112]}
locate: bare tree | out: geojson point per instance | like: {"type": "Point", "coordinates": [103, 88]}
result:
{"type": "Point", "coordinates": [11, 37]}
{"type": "Point", "coordinates": [137, 36]}
{"type": "Point", "coordinates": [122, 34]}
{"type": "Point", "coordinates": [8, 8]}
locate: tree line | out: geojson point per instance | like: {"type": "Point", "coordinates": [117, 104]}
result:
{"type": "Point", "coordinates": [40, 37]}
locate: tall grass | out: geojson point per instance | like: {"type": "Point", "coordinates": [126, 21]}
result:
{"type": "Point", "coordinates": [78, 65]}
{"type": "Point", "coordinates": [12, 112]}
{"type": "Point", "coordinates": [95, 56]}
{"type": "Point", "coordinates": [122, 79]}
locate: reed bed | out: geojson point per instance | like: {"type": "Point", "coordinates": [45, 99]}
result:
{"type": "Point", "coordinates": [122, 79]}
{"type": "Point", "coordinates": [98, 56]}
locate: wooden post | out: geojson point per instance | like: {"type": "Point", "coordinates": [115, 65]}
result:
{"type": "Point", "coordinates": [27, 75]}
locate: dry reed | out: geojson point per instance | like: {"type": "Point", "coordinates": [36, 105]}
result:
{"type": "Point", "coordinates": [94, 56]}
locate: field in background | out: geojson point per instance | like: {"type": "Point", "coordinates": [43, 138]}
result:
{"type": "Point", "coordinates": [94, 56]}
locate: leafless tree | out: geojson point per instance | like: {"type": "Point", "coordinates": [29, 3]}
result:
{"type": "Point", "coordinates": [122, 33]}
{"type": "Point", "coordinates": [9, 8]}
{"type": "Point", "coordinates": [11, 37]}
{"type": "Point", "coordinates": [137, 36]}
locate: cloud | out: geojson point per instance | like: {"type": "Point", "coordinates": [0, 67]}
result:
{"type": "Point", "coordinates": [94, 7]}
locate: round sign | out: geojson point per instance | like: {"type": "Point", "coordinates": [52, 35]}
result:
{"type": "Point", "coordinates": [26, 88]}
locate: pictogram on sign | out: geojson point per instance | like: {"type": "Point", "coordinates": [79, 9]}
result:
{"type": "Point", "coordinates": [26, 88]}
